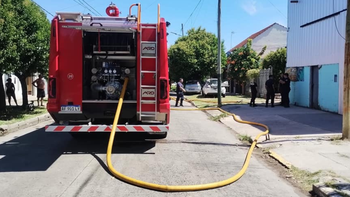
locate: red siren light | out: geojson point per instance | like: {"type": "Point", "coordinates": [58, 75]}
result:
{"type": "Point", "coordinates": [112, 10]}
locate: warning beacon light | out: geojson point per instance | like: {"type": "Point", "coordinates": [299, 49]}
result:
{"type": "Point", "coordinates": [112, 10]}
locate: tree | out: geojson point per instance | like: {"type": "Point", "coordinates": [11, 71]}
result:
{"type": "Point", "coordinates": [8, 48]}
{"type": "Point", "coordinates": [195, 56]}
{"type": "Point", "coordinates": [243, 59]}
{"type": "Point", "coordinates": [33, 43]}
{"type": "Point", "coordinates": [277, 60]}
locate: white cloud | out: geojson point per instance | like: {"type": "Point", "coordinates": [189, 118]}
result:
{"type": "Point", "coordinates": [250, 7]}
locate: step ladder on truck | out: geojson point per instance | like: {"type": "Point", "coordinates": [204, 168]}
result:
{"type": "Point", "coordinates": [90, 56]}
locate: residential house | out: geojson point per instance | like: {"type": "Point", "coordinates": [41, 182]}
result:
{"type": "Point", "coordinates": [273, 37]}
{"type": "Point", "coordinates": [315, 53]}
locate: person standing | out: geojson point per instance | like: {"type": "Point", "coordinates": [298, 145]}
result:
{"type": "Point", "coordinates": [40, 85]}
{"type": "Point", "coordinates": [10, 91]}
{"type": "Point", "coordinates": [281, 87]}
{"type": "Point", "coordinates": [285, 90]}
{"type": "Point", "coordinates": [254, 91]}
{"type": "Point", "coordinates": [270, 91]}
{"type": "Point", "coordinates": [180, 93]}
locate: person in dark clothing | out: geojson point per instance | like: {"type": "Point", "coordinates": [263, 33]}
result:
{"type": "Point", "coordinates": [10, 91]}
{"type": "Point", "coordinates": [285, 90]}
{"type": "Point", "coordinates": [270, 91]}
{"type": "Point", "coordinates": [180, 92]}
{"type": "Point", "coordinates": [254, 91]}
{"type": "Point", "coordinates": [281, 87]}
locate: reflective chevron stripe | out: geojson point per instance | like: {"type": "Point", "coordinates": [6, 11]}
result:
{"type": "Point", "coordinates": [105, 128]}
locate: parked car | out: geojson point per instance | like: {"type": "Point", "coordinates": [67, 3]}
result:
{"type": "Point", "coordinates": [193, 86]}
{"type": "Point", "coordinates": [211, 88]}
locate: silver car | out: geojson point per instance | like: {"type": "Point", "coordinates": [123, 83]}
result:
{"type": "Point", "coordinates": [211, 88]}
{"type": "Point", "coordinates": [193, 87]}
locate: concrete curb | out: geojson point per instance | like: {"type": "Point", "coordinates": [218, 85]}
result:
{"type": "Point", "coordinates": [280, 159]}
{"type": "Point", "coordinates": [5, 129]}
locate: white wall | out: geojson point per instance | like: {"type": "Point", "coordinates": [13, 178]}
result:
{"type": "Point", "coordinates": [275, 37]}
{"type": "Point", "coordinates": [318, 43]}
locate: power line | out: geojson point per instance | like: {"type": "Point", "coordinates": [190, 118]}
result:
{"type": "Point", "coordinates": [198, 13]}
{"type": "Point", "coordinates": [43, 9]}
{"type": "Point", "coordinates": [84, 6]}
{"type": "Point", "coordinates": [277, 9]}
{"type": "Point", "coordinates": [92, 7]}
{"type": "Point", "coordinates": [335, 23]}
{"type": "Point", "coordinates": [193, 11]}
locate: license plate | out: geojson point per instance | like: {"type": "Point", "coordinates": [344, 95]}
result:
{"type": "Point", "coordinates": [190, 89]}
{"type": "Point", "coordinates": [70, 108]}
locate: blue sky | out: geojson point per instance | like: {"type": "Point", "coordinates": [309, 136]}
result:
{"type": "Point", "coordinates": [243, 17]}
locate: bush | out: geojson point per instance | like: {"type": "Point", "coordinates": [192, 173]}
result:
{"type": "Point", "coordinates": [253, 73]}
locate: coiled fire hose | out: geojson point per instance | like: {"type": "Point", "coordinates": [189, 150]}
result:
{"type": "Point", "coordinates": [179, 188]}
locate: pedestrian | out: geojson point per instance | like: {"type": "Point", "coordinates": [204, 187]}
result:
{"type": "Point", "coordinates": [254, 91]}
{"type": "Point", "coordinates": [40, 85]}
{"type": "Point", "coordinates": [270, 91]}
{"type": "Point", "coordinates": [10, 91]}
{"type": "Point", "coordinates": [180, 93]}
{"type": "Point", "coordinates": [285, 90]}
{"type": "Point", "coordinates": [281, 87]}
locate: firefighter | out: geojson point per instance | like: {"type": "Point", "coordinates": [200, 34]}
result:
{"type": "Point", "coordinates": [270, 91]}
{"type": "Point", "coordinates": [281, 87]}
{"type": "Point", "coordinates": [180, 92]}
{"type": "Point", "coordinates": [254, 91]}
{"type": "Point", "coordinates": [285, 90]}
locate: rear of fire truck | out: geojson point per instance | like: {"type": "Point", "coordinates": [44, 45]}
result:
{"type": "Point", "coordinates": [89, 59]}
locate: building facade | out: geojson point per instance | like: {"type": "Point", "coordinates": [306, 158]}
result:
{"type": "Point", "coordinates": [315, 53]}
{"type": "Point", "coordinates": [273, 37]}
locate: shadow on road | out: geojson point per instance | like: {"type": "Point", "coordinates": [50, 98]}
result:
{"type": "Point", "coordinates": [290, 121]}
{"type": "Point", "coordinates": [37, 151]}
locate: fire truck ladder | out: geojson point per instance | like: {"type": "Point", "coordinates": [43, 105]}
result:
{"type": "Point", "coordinates": [146, 114]}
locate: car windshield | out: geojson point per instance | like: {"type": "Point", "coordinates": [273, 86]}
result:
{"type": "Point", "coordinates": [214, 82]}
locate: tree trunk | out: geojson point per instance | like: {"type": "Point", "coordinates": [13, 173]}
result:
{"type": "Point", "coordinates": [24, 92]}
{"type": "Point", "coordinates": [2, 95]}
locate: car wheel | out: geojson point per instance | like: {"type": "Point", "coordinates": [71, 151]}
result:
{"type": "Point", "coordinates": [223, 95]}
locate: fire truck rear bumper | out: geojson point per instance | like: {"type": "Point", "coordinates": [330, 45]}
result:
{"type": "Point", "coordinates": [106, 128]}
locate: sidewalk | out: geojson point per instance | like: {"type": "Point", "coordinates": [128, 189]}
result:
{"type": "Point", "coordinates": [300, 138]}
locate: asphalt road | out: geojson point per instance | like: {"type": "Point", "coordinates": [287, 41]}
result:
{"type": "Point", "coordinates": [34, 163]}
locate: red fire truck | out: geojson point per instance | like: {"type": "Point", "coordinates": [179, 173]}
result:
{"type": "Point", "coordinates": [90, 57]}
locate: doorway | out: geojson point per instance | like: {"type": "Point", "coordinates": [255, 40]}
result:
{"type": "Point", "coordinates": [314, 87]}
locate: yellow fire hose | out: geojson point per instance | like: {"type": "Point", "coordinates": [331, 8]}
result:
{"type": "Point", "coordinates": [178, 188]}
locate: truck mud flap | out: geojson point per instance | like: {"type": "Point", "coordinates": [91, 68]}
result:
{"type": "Point", "coordinates": [106, 128]}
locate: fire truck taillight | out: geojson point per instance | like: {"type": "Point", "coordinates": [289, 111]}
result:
{"type": "Point", "coordinates": [163, 89]}
{"type": "Point", "coordinates": [52, 87]}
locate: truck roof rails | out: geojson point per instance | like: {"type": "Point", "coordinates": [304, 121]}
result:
{"type": "Point", "coordinates": [69, 16]}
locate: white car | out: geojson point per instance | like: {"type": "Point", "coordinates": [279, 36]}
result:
{"type": "Point", "coordinates": [193, 87]}
{"type": "Point", "coordinates": [211, 88]}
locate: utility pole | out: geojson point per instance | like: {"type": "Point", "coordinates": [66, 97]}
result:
{"type": "Point", "coordinates": [219, 53]}
{"type": "Point", "coordinates": [346, 97]}
{"type": "Point", "coordinates": [182, 29]}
